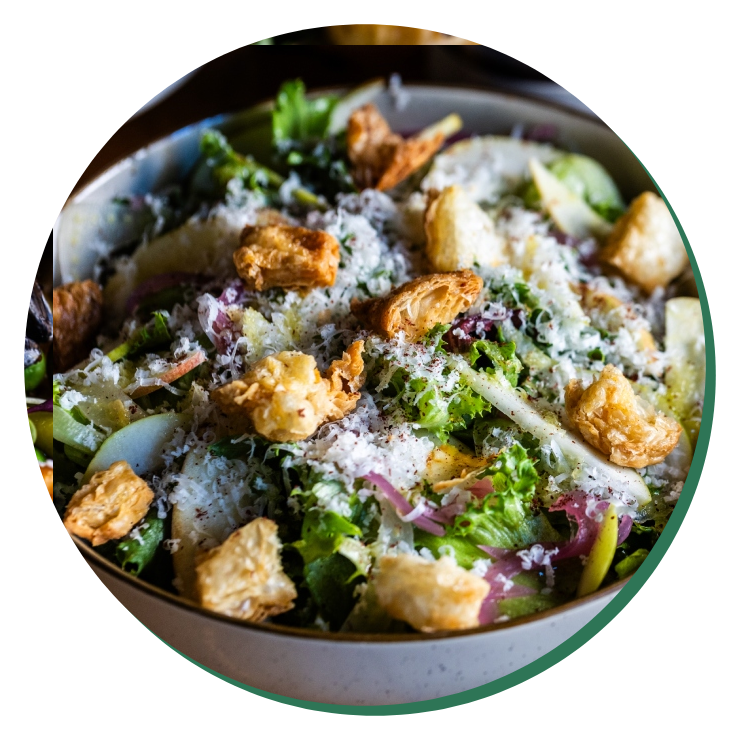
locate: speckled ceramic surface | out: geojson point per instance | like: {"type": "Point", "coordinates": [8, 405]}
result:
{"type": "Point", "coordinates": [301, 664]}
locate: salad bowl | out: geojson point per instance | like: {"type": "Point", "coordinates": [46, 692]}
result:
{"type": "Point", "coordinates": [303, 665]}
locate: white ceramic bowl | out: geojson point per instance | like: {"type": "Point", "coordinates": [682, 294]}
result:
{"type": "Point", "coordinates": [302, 664]}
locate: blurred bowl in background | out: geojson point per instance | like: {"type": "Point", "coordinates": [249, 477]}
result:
{"type": "Point", "coordinates": [174, 86]}
{"type": "Point", "coordinates": [390, 35]}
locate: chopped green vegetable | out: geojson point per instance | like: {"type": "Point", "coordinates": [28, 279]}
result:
{"type": "Point", "coordinates": [155, 336]}
{"type": "Point", "coordinates": [333, 590]}
{"type": "Point", "coordinates": [135, 553]}
{"type": "Point", "coordinates": [463, 550]}
{"type": "Point", "coordinates": [233, 447]}
{"type": "Point", "coordinates": [323, 534]}
{"type": "Point", "coordinates": [630, 564]}
{"type": "Point", "coordinates": [428, 407]}
{"type": "Point", "coordinates": [497, 356]}
{"type": "Point", "coordinates": [296, 118]}
{"type": "Point", "coordinates": [33, 430]}
{"type": "Point", "coordinates": [299, 133]}
{"type": "Point", "coordinates": [526, 605]}
{"type": "Point", "coordinates": [505, 518]}
{"type": "Point", "coordinates": [35, 374]}
{"type": "Point", "coordinates": [227, 164]}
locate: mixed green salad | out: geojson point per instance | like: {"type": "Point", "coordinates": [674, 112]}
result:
{"type": "Point", "coordinates": [354, 380]}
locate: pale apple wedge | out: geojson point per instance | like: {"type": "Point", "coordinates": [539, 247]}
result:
{"type": "Point", "coordinates": [580, 455]}
{"type": "Point", "coordinates": [139, 444]}
{"type": "Point", "coordinates": [353, 100]}
{"type": "Point", "coordinates": [570, 212]}
{"type": "Point", "coordinates": [170, 376]}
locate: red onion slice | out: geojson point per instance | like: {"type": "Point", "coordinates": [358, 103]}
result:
{"type": "Point", "coordinates": [402, 505]}
{"type": "Point", "coordinates": [482, 488]}
{"type": "Point", "coordinates": [46, 406]}
{"type": "Point", "coordinates": [624, 529]}
{"type": "Point", "coordinates": [159, 283]}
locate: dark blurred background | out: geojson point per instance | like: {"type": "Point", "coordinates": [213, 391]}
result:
{"type": "Point", "coordinates": [253, 73]}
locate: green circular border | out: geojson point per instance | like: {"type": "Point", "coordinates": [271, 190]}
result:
{"type": "Point", "coordinates": [603, 618]}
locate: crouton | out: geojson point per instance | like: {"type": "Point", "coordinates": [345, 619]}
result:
{"type": "Point", "coordinates": [645, 244]}
{"type": "Point", "coordinates": [381, 159]}
{"type": "Point", "coordinates": [459, 234]}
{"type": "Point", "coordinates": [284, 397]}
{"type": "Point", "coordinates": [47, 474]}
{"type": "Point", "coordinates": [243, 577]}
{"type": "Point", "coordinates": [345, 377]}
{"type": "Point", "coordinates": [109, 506]}
{"type": "Point", "coordinates": [286, 256]}
{"type": "Point", "coordinates": [613, 419]}
{"type": "Point", "coordinates": [416, 307]}
{"type": "Point", "coordinates": [77, 311]}
{"type": "Point", "coordinates": [430, 596]}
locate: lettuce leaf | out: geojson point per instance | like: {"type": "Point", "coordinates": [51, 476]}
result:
{"type": "Point", "coordinates": [323, 534]}
{"type": "Point", "coordinates": [330, 583]}
{"type": "Point", "coordinates": [630, 564]}
{"type": "Point", "coordinates": [505, 518]}
{"type": "Point", "coordinates": [426, 405]}
{"type": "Point", "coordinates": [463, 550]}
{"type": "Point", "coordinates": [301, 140]}
{"type": "Point", "coordinates": [298, 119]}
{"type": "Point", "coordinates": [492, 356]}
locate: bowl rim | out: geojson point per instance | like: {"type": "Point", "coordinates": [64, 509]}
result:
{"type": "Point", "coordinates": [105, 565]}
{"type": "Point", "coordinates": [102, 563]}
{"type": "Point", "coordinates": [83, 183]}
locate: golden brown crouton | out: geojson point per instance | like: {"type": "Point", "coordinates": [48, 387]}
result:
{"type": "Point", "coordinates": [345, 378]}
{"type": "Point", "coordinates": [645, 244]}
{"type": "Point", "coordinates": [381, 158]}
{"type": "Point", "coordinates": [47, 473]}
{"type": "Point", "coordinates": [459, 234]}
{"type": "Point", "coordinates": [286, 256]}
{"type": "Point", "coordinates": [430, 596]}
{"type": "Point", "coordinates": [613, 419]}
{"type": "Point", "coordinates": [419, 305]}
{"type": "Point", "coordinates": [285, 398]}
{"type": "Point", "coordinates": [243, 577]}
{"type": "Point", "coordinates": [109, 505]}
{"type": "Point", "coordinates": [76, 320]}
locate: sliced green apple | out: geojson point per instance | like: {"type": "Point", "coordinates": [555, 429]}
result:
{"type": "Point", "coordinates": [685, 347]}
{"type": "Point", "coordinates": [545, 427]}
{"type": "Point", "coordinates": [43, 424]}
{"type": "Point", "coordinates": [198, 246]}
{"type": "Point", "coordinates": [353, 100]}
{"type": "Point", "coordinates": [601, 555]}
{"type": "Point", "coordinates": [569, 211]}
{"type": "Point", "coordinates": [447, 126]}
{"type": "Point", "coordinates": [139, 444]}
{"type": "Point", "coordinates": [177, 370]}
